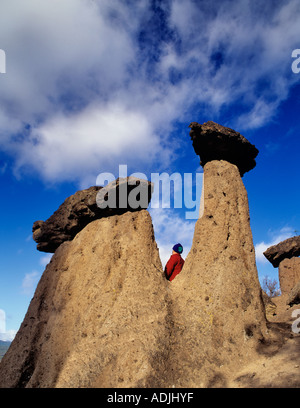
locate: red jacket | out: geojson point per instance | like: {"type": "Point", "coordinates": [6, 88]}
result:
{"type": "Point", "coordinates": [173, 266]}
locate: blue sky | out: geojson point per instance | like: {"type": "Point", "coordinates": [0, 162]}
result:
{"type": "Point", "coordinates": [92, 84]}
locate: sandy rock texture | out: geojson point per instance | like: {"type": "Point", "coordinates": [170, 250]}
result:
{"type": "Point", "coordinates": [219, 319]}
{"type": "Point", "coordinates": [289, 274]}
{"type": "Point", "coordinates": [294, 295]}
{"type": "Point", "coordinates": [212, 141]}
{"type": "Point", "coordinates": [98, 316]}
{"type": "Point", "coordinates": [85, 206]}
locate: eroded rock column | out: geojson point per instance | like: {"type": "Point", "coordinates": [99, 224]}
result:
{"type": "Point", "coordinates": [220, 318]}
{"type": "Point", "coordinates": [98, 315]}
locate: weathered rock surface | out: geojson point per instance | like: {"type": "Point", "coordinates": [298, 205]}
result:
{"type": "Point", "coordinates": [98, 316]}
{"type": "Point", "coordinates": [270, 306]}
{"type": "Point", "coordinates": [212, 141]}
{"type": "Point", "coordinates": [81, 208]}
{"type": "Point", "coordinates": [294, 295]}
{"type": "Point", "coordinates": [103, 314]}
{"type": "Point", "coordinates": [219, 317]}
{"type": "Point", "coordinates": [289, 274]}
{"type": "Point", "coordinates": [288, 248]}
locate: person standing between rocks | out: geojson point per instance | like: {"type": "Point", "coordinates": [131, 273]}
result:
{"type": "Point", "coordinates": [175, 263]}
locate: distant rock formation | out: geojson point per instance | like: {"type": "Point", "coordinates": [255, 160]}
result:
{"type": "Point", "coordinates": [288, 248]}
{"type": "Point", "coordinates": [285, 255]}
{"type": "Point", "coordinates": [98, 316]}
{"type": "Point", "coordinates": [81, 208]}
{"type": "Point", "coordinates": [212, 141]}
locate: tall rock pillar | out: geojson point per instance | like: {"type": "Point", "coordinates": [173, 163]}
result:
{"type": "Point", "coordinates": [97, 318]}
{"type": "Point", "coordinates": [220, 317]}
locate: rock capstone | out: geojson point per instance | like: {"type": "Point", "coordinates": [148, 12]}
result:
{"type": "Point", "coordinates": [88, 205]}
{"type": "Point", "coordinates": [212, 141]}
{"type": "Point", "coordinates": [288, 248]}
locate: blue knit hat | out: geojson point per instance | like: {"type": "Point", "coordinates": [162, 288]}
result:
{"type": "Point", "coordinates": [178, 248]}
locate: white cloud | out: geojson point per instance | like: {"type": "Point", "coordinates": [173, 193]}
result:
{"type": "Point", "coordinates": [5, 335]}
{"type": "Point", "coordinates": [253, 43]}
{"type": "Point", "coordinates": [86, 86]}
{"type": "Point", "coordinates": [44, 260]}
{"type": "Point", "coordinates": [67, 146]}
{"type": "Point", "coordinates": [29, 282]}
{"type": "Point", "coordinates": [261, 247]}
{"type": "Point", "coordinates": [2, 321]}
{"type": "Point", "coordinates": [8, 335]}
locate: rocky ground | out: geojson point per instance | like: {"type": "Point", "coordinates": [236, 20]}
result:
{"type": "Point", "coordinates": [279, 363]}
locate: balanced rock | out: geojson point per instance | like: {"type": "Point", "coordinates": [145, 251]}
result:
{"type": "Point", "coordinates": [86, 206]}
{"type": "Point", "coordinates": [289, 274]}
{"type": "Point", "coordinates": [98, 316]}
{"type": "Point", "coordinates": [212, 141]}
{"type": "Point", "coordinates": [220, 316]}
{"type": "Point", "coordinates": [288, 248]}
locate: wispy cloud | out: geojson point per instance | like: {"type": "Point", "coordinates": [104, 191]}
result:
{"type": "Point", "coordinates": [94, 82]}
{"type": "Point", "coordinates": [44, 260]}
{"type": "Point", "coordinates": [5, 335]}
{"type": "Point", "coordinates": [29, 282]}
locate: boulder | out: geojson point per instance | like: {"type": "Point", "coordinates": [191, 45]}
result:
{"type": "Point", "coordinates": [98, 316]}
{"type": "Point", "coordinates": [289, 274]}
{"type": "Point", "coordinates": [294, 295]}
{"type": "Point", "coordinates": [212, 141]}
{"type": "Point", "coordinates": [288, 248]}
{"type": "Point", "coordinates": [220, 316]}
{"type": "Point", "coordinates": [86, 206]}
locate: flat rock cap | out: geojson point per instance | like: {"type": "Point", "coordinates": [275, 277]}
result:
{"type": "Point", "coordinates": [212, 141]}
{"type": "Point", "coordinates": [285, 249]}
{"type": "Point", "coordinates": [88, 205]}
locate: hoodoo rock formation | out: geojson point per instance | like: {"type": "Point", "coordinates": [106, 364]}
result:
{"type": "Point", "coordinates": [98, 315]}
{"type": "Point", "coordinates": [220, 317]}
{"type": "Point", "coordinates": [285, 256]}
{"type": "Point", "coordinates": [82, 208]}
{"type": "Point", "coordinates": [103, 314]}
